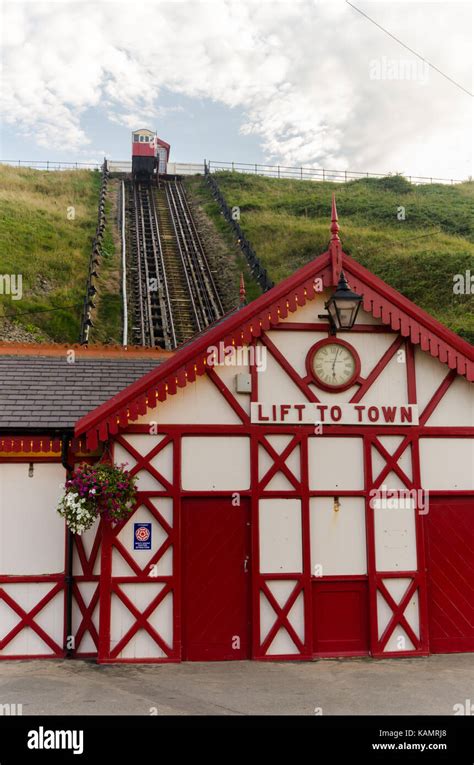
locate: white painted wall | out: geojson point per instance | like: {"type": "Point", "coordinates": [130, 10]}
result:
{"type": "Point", "coordinates": [279, 482]}
{"type": "Point", "coordinates": [391, 444]}
{"type": "Point", "coordinates": [447, 463]}
{"type": "Point", "coordinates": [336, 463]}
{"type": "Point", "coordinates": [282, 643]}
{"type": "Point", "coordinates": [275, 385]}
{"type": "Point", "coordinates": [144, 444]}
{"type": "Point", "coordinates": [338, 539]}
{"type": "Point", "coordinates": [295, 345]}
{"type": "Point", "coordinates": [309, 312]}
{"type": "Point", "coordinates": [395, 539]}
{"type": "Point", "coordinates": [228, 375]}
{"type": "Point", "coordinates": [32, 533]}
{"type": "Point", "coordinates": [199, 403]}
{"type": "Point", "coordinates": [399, 640]}
{"type": "Point", "coordinates": [51, 619]}
{"type": "Point", "coordinates": [32, 541]}
{"type": "Point", "coordinates": [87, 590]}
{"type": "Point", "coordinates": [164, 567]}
{"type": "Point", "coordinates": [141, 645]}
{"type": "Point", "coordinates": [456, 408]}
{"type": "Point", "coordinates": [215, 463]}
{"type": "Point", "coordinates": [280, 536]}
{"type": "Point", "coordinates": [390, 386]}
{"type": "Point", "coordinates": [429, 373]}
{"type": "Point", "coordinates": [87, 539]}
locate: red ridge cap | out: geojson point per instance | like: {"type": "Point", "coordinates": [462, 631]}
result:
{"type": "Point", "coordinates": [82, 351]}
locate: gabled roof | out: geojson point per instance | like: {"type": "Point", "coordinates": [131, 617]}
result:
{"type": "Point", "coordinates": [379, 299]}
{"type": "Point", "coordinates": [162, 143]}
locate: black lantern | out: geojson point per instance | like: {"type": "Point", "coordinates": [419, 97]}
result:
{"type": "Point", "coordinates": [343, 306]}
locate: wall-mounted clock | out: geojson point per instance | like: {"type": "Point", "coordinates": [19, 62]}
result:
{"type": "Point", "coordinates": [333, 364]}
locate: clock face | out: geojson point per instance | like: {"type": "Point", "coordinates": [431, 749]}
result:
{"type": "Point", "coordinates": [334, 364]}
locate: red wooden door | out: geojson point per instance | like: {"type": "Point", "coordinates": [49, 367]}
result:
{"type": "Point", "coordinates": [451, 575]}
{"type": "Point", "coordinates": [340, 618]}
{"type": "Point", "coordinates": [216, 580]}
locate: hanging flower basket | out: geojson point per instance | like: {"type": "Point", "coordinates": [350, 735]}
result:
{"type": "Point", "coordinates": [97, 490]}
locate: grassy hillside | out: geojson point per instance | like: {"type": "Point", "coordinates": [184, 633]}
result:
{"type": "Point", "coordinates": [40, 239]}
{"type": "Point", "coordinates": [287, 223]}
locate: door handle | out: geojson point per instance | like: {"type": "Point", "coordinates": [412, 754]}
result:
{"type": "Point", "coordinates": [246, 564]}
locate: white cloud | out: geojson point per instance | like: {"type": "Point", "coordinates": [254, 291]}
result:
{"type": "Point", "coordinates": [298, 72]}
{"type": "Point", "coordinates": [133, 120]}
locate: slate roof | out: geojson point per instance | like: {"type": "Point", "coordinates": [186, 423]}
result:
{"type": "Point", "coordinates": [44, 392]}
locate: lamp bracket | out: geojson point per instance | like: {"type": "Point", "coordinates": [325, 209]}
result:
{"type": "Point", "coordinates": [328, 317]}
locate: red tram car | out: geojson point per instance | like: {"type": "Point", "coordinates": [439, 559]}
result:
{"type": "Point", "coordinates": [150, 155]}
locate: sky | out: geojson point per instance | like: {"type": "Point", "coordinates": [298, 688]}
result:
{"type": "Point", "coordinates": [312, 83]}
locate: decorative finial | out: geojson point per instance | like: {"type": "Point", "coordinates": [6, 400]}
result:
{"type": "Point", "coordinates": [243, 299]}
{"type": "Point", "coordinates": [335, 246]}
{"type": "Point", "coordinates": [334, 223]}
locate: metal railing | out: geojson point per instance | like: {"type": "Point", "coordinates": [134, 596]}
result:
{"type": "Point", "coordinates": [94, 261]}
{"type": "Point", "coordinates": [173, 168]}
{"type": "Point", "coordinates": [253, 168]}
{"type": "Point", "coordinates": [123, 242]}
{"type": "Point", "coordinates": [259, 273]}
{"type": "Point", "coordinates": [51, 164]}
{"type": "Point", "coordinates": [315, 173]}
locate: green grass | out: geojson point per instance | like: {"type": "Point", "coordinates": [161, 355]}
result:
{"type": "Point", "coordinates": [196, 188]}
{"type": "Point", "coordinates": [50, 250]}
{"type": "Point", "coordinates": [288, 221]}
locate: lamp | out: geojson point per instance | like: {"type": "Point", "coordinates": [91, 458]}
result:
{"type": "Point", "coordinates": [343, 306]}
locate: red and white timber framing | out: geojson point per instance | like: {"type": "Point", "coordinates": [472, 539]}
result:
{"type": "Point", "coordinates": [323, 571]}
{"type": "Point", "coordinates": [33, 603]}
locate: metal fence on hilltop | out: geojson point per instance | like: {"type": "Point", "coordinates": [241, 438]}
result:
{"type": "Point", "coordinates": [316, 173]}
{"type": "Point", "coordinates": [300, 173]}
{"type": "Point", "coordinates": [49, 164]}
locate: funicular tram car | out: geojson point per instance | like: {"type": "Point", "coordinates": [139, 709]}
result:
{"type": "Point", "coordinates": [150, 155]}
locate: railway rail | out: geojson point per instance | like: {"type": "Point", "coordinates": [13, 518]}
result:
{"type": "Point", "coordinates": [173, 293]}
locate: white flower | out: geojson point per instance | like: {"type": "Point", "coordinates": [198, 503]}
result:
{"type": "Point", "coordinates": [74, 509]}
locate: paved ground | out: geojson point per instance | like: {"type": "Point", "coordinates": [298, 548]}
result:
{"type": "Point", "coordinates": [362, 686]}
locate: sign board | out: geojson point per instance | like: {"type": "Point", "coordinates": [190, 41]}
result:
{"type": "Point", "coordinates": [338, 414]}
{"type": "Point", "coordinates": [142, 536]}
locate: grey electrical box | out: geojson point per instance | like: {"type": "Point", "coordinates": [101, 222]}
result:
{"type": "Point", "coordinates": [243, 383]}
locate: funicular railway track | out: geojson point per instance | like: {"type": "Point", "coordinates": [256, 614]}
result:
{"type": "Point", "coordinates": [173, 293]}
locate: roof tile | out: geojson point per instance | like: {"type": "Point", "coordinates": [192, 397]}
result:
{"type": "Point", "coordinates": [46, 392]}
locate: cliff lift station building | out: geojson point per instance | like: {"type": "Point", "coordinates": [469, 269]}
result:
{"type": "Point", "coordinates": [308, 489]}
